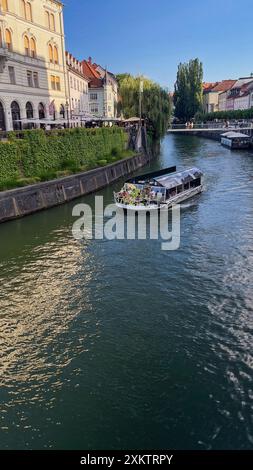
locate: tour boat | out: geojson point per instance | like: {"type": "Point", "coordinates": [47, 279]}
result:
{"type": "Point", "coordinates": [235, 140]}
{"type": "Point", "coordinates": [159, 190]}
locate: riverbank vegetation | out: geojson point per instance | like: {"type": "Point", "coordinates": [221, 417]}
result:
{"type": "Point", "coordinates": [188, 94]}
{"type": "Point", "coordinates": [39, 156]}
{"type": "Point", "coordinates": [225, 115]}
{"type": "Point", "coordinates": [156, 104]}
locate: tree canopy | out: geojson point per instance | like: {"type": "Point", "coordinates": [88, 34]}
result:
{"type": "Point", "coordinates": [156, 104]}
{"type": "Point", "coordinates": [188, 94]}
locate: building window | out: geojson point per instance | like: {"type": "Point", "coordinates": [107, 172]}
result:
{"type": "Point", "coordinates": [94, 109]}
{"type": "Point", "coordinates": [41, 110]}
{"type": "Point", "coordinates": [33, 48]}
{"type": "Point", "coordinates": [23, 12]}
{"type": "Point", "coordinates": [36, 79]}
{"type": "Point", "coordinates": [29, 110]}
{"type": "Point", "coordinates": [12, 75]}
{"type": "Point", "coordinates": [71, 82]}
{"type": "Point", "coordinates": [15, 112]}
{"type": "Point", "coordinates": [4, 5]}
{"type": "Point", "coordinates": [2, 118]}
{"type": "Point", "coordinates": [26, 44]}
{"type": "Point", "coordinates": [8, 39]}
{"type": "Point", "coordinates": [52, 22]}
{"type": "Point", "coordinates": [58, 83]}
{"type": "Point", "coordinates": [50, 53]}
{"type": "Point", "coordinates": [93, 96]}
{"type": "Point", "coordinates": [56, 55]}
{"type": "Point", "coordinates": [28, 11]}
{"type": "Point", "coordinates": [55, 83]}
{"type": "Point", "coordinates": [29, 78]}
{"type": "Point", "coordinates": [47, 20]}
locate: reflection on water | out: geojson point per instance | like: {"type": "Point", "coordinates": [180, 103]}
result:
{"type": "Point", "coordinates": [117, 344]}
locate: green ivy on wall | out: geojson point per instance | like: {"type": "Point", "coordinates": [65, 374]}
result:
{"type": "Point", "coordinates": [42, 155]}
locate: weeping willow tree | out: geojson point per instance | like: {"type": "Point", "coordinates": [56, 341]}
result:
{"type": "Point", "coordinates": [156, 104]}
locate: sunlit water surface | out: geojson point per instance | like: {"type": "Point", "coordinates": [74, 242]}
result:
{"type": "Point", "coordinates": [118, 344]}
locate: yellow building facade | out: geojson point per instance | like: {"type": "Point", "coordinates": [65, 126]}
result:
{"type": "Point", "coordinates": [33, 76]}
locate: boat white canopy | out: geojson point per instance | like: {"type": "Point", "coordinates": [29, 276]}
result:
{"type": "Point", "coordinates": [235, 135]}
{"type": "Point", "coordinates": [176, 179]}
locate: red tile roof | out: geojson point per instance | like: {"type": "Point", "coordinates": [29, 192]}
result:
{"type": "Point", "coordinates": [224, 85]}
{"type": "Point", "coordinates": [207, 86]}
{"type": "Point", "coordinates": [90, 71]}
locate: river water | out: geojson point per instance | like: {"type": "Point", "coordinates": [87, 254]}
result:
{"type": "Point", "coordinates": [118, 344]}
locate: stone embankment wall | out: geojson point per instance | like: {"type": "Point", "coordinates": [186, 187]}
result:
{"type": "Point", "coordinates": [24, 201]}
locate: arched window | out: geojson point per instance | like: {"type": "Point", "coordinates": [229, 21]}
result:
{"type": "Point", "coordinates": [57, 83]}
{"type": "Point", "coordinates": [47, 20]}
{"type": "Point", "coordinates": [56, 55]}
{"type": "Point", "coordinates": [2, 118]}
{"type": "Point", "coordinates": [28, 11]}
{"type": "Point", "coordinates": [50, 53]}
{"type": "Point", "coordinates": [4, 5]}
{"type": "Point", "coordinates": [23, 10]}
{"type": "Point", "coordinates": [62, 111]}
{"type": "Point", "coordinates": [29, 110]}
{"type": "Point", "coordinates": [8, 39]}
{"type": "Point", "coordinates": [15, 112]}
{"type": "Point", "coordinates": [26, 45]}
{"type": "Point", "coordinates": [33, 47]}
{"type": "Point", "coordinates": [52, 22]}
{"type": "Point", "coordinates": [41, 111]}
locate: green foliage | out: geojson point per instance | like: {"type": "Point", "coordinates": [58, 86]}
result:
{"type": "Point", "coordinates": [226, 115]}
{"type": "Point", "coordinates": [46, 156]}
{"type": "Point", "coordinates": [156, 104]}
{"type": "Point", "coordinates": [9, 161]}
{"type": "Point", "coordinates": [188, 94]}
{"type": "Point", "coordinates": [102, 162]}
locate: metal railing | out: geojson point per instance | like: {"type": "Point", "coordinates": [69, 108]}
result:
{"type": "Point", "coordinates": [240, 124]}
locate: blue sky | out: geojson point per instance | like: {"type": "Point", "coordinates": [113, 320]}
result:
{"type": "Point", "coordinates": [152, 36]}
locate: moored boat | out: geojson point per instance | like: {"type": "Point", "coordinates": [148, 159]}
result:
{"type": "Point", "coordinates": [235, 140]}
{"type": "Point", "coordinates": [159, 190]}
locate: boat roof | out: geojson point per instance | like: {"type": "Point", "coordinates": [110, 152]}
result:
{"type": "Point", "coordinates": [234, 135]}
{"type": "Point", "coordinates": [176, 179]}
{"type": "Point", "coordinates": [152, 175]}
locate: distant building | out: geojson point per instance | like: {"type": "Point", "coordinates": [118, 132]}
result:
{"type": "Point", "coordinates": [211, 92]}
{"type": "Point", "coordinates": [33, 87]}
{"type": "Point", "coordinates": [78, 87]}
{"type": "Point", "coordinates": [240, 95]}
{"type": "Point", "coordinates": [103, 90]}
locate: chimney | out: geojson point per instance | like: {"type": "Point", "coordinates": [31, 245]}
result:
{"type": "Point", "coordinates": [90, 60]}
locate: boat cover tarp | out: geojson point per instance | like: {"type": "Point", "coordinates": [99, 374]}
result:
{"type": "Point", "coordinates": [171, 181]}
{"type": "Point", "coordinates": [235, 135]}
